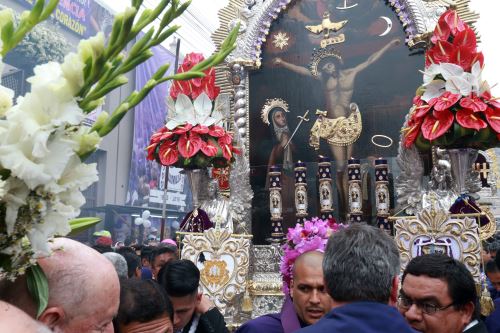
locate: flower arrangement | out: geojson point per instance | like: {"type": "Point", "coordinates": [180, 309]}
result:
{"type": "Point", "coordinates": [193, 137]}
{"type": "Point", "coordinates": [43, 141]}
{"type": "Point", "coordinates": [312, 236]}
{"type": "Point", "coordinates": [454, 107]}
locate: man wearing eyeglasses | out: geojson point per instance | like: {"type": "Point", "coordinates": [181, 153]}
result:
{"type": "Point", "coordinates": [438, 295]}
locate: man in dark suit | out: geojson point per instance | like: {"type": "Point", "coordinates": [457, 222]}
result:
{"type": "Point", "coordinates": [361, 267]}
{"type": "Point", "coordinates": [438, 295]}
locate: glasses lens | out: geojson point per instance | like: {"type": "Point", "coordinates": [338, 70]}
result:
{"type": "Point", "coordinates": [429, 308]}
{"type": "Point", "coordinates": [404, 302]}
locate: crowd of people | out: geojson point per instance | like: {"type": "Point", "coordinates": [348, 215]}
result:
{"type": "Point", "coordinates": [354, 284]}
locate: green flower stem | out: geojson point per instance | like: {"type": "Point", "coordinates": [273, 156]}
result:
{"type": "Point", "coordinates": [38, 287]}
{"type": "Point", "coordinates": [11, 36]}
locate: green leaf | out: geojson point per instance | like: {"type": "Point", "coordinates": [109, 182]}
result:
{"type": "Point", "coordinates": [38, 287]}
{"type": "Point", "coordinates": [81, 224]}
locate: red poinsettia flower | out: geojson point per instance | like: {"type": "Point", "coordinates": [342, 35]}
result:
{"type": "Point", "coordinates": [473, 103]}
{"type": "Point", "coordinates": [189, 144]}
{"type": "Point", "coordinates": [469, 119]}
{"type": "Point", "coordinates": [445, 101]}
{"type": "Point", "coordinates": [436, 124]}
{"type": "Point", "coordinates": [412, 131]}
{"type": "Point", "coordinates": [200, 129]}
{"type": "Point", "coordinates": [168, 153]}
{"type": "Point", "coordinates": [209, 148]}
{"type": "Point", "coordinates": [182, 129]}
{"type": "Point", "coordinates": [493, 118]}
{"type": "Point", "coordinates": [216, 131]}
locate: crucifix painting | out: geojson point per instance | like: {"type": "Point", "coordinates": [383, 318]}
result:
{"type": "Point", "coordinates": [346, 62]}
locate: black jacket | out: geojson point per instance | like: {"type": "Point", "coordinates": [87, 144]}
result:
{"type": "Point", "coordinates": [480, 327]}
{"type": "Point", "coordinates": [211, 321]}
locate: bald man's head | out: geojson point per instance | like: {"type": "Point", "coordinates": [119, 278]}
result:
{"type": "Point", "coordinates": [307, 290]}
{"type": "Point", "coordinates": [84, 291]}
{"type": "Point", "coordinates": [13, 320]}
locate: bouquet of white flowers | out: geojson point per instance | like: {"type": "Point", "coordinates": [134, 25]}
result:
{"type": "Point", "coordinates": [43, 142]}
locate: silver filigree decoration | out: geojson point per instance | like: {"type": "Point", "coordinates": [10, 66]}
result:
{"type": "Point", "coordinates": [409, 182]}
{"type": "Point", "coordinates": [240, 206]}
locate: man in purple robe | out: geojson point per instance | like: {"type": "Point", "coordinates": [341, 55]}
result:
{"type": "Point", "coordinates": [306, 299]}
{"type": "Point", "coordinates": [307, 303]}
{"type": "Point", "coordinates": [361, 267]}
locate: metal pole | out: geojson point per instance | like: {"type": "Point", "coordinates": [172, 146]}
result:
{"type": "Point", "coordinates": [164, 168]}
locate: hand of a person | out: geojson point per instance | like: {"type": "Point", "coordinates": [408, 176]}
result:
{"type": "Point", "coordinates": [205, 305]}
{"type": "Point", "coordinates": [278, 61]}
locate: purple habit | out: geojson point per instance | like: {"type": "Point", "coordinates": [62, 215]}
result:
{"type": "Point", "coordinates": [284, 322]}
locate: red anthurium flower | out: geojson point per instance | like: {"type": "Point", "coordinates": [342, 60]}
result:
{"type": "Point", "coordinates": [225, 143]}
{"type": "Point", "coordinates": [412, 131]}
{"type": "Point", "coordinates": [493, 118]}
{"type": "Point", "coordinates": [168, 153]}
{"type": "Point", "coordinates": [453, 21]}
{"type": "Point", "coordinates": [216, 131]}
{"type": "Point", "coordinates": [486, 96]}
{"type": "Point", "coordinates": [208, 148]}
{"type": "Point", "coordinates": [463, 57]}
{"type": "Point", "coordinates": [226, 139]}
{"type": "Point", "coordinates": [445, 101]}
{"type": "Point", "coordinates": [441, 32]}
{"type": "Point", "coordinates": [468, 119]}
{"type": "Point", "coordinates": [441, 52]}
{"type": "Point", "coordinates": [200, 129]}
{"type": "Point", "coordinates": [182, 129]}
{"type": "Point", "coordinates": [151, 151]}
{"type": "Point", "coordinates": [466, 39]}
{"type": "Point", "coordinates": [189, 144]}
{"type": "Point", "coordinates": [421, 107]}
{"type": "Point", "coordinates": [161, 134]}
{"type": "Point", "coordinates": [473, 103]}
{"type": "Point", "coordinates": [436, 124]}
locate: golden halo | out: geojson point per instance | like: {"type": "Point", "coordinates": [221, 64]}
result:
{"type": "Point", "coordinates": [320, 54]}
{"type": "Point", "coordinates": [271, 104]}
{"type": "Point", "coordinates": [490, 229]}
{"type": "Point", "coordinates": [384, 137]}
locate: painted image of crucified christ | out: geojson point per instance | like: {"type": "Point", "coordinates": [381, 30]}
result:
{"type": "Point", "coordinates": [338, 86]}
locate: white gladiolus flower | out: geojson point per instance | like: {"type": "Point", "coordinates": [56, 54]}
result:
{"type": "Point", "coordinates": [72, 69]}
{"type": "Point", "coordinates": [14, 198]}
{"type": "Point", "coordinates": [2, 189]}
{"type": "Point", "coordinates": [6, 96]}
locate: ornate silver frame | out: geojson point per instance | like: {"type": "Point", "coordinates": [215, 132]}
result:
{"type": "Point", "coordinates": [418, 19]}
